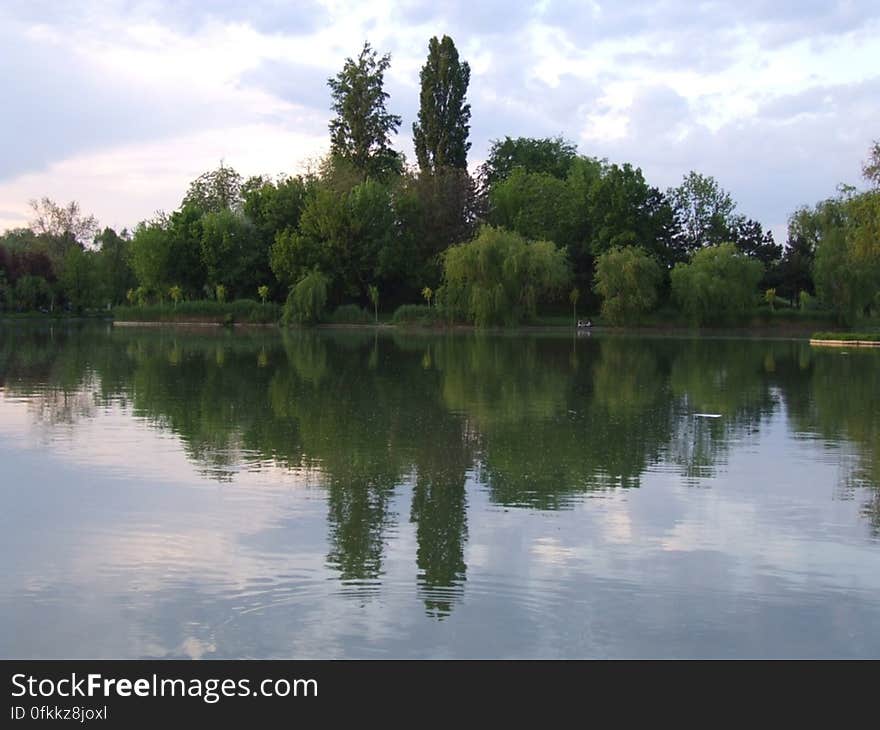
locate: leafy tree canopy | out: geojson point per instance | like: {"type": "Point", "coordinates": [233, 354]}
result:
{"type": "Point", "coordinates": [628, 280]}
{"type": "Point", "coordinates": [362, 128]}
{"type": "Point", "coordinates": [214, 191]}
{"type": "Point", "coordinates": [441, 133]}
{"type": "Point", "coordinates": [705, 211]}
{"type": "Point", "coordinates": [499, 277]}
{"type": "Point", "coordinates": [551, 155]}
{"type": "Point", "coordinates": [718, 286]}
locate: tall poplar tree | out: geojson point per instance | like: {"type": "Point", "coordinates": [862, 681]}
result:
{"type": "Point", "coordinates": [360, 133]}
{"type": "Point", "coordinates": [441, 133]}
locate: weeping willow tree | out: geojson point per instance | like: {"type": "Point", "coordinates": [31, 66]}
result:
{"type": "Point", "coordinates": [307, 299]}
{"type": "Point", "coordinates": [500, 277]}
{"type": "Point", "coordinates": [628, 279]}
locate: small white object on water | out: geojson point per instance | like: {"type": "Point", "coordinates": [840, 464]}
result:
{"type": "Point", "coordinates": [707, 415]}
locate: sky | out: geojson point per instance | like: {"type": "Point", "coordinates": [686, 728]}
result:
{"type": "Point", "coordinates": [120, 104]}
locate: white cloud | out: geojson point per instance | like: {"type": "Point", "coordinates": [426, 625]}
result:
{"type": "Point", "coordinates": [120, 104]}
{"type": "Point", "coordinates": [126, 184]}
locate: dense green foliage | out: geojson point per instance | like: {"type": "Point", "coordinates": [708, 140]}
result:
{"type": "Point", "coordinates": [628, 280]}
{"type": "Point", "coordinates": [232, 252]}
{"type": "Point", "coordinates": [215, 191]}
{"type": "Point", "coordinates": [718, 286]}
{"type": "Point", "coordinates": [704, 211]}
{"type": "Point", "coordinates": [363, 219]}
{"type": "Point", "coordinates": [847, 258]}
{"type": "Point", "coordinates": [240, 310]}
{"type": "Point", "coordinates": [347, 233]}
{"type": "Point", "coordinates": [417, 314]}
{"type": "Point", "coordinates": [499, 277]}
{"type": "Point", "coordinates": [307, 299]}
{"type": "Point", "coordinates": [551, 156]}
{"type": "Point", "coordinates": [440, 135]}
{"type": "Point", "coordinates": [350, 314]}
{"type": "Point", "coordinates": [360, 133]}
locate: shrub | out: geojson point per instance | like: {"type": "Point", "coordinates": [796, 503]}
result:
{"type": "Point", "coordinates": [350, 314]}
{"type": "Point", "coordinates": [417, 314]}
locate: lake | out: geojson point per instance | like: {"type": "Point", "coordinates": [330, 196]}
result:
{"type": "Point", "coordinates": [346, 493]}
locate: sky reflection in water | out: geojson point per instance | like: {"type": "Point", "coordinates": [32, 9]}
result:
{"type": "Point", "coordinates": [341, 494]}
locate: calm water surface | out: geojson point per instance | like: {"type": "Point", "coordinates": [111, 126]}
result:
{"type": "Point", "coordinates": [170, 493]}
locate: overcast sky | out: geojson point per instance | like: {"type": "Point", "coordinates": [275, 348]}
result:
{"type": "Point", "coordinates": [119, 104]}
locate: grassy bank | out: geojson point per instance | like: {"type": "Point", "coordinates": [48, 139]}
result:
{"type": "Point", "coordinates": [847, 336]}
{"type": "Point", "coordinates": [246, 311]}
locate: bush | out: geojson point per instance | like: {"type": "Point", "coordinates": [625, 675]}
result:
{"type": "Point", "coordinates": [417, 314]}
{"type": "Point", "coordinates": [350, 314]}
{"type": "Point", "coordinates": [814, 317]}
{"type": "Point", "coordinates": [718, 285]}
{"type": "Point", "coordinates": [307, 299]}
{"type": "Point", "coordinates": [627, 279]}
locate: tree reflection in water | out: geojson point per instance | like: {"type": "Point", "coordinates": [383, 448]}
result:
{"type": "Point", "coordinates": [538, 422]}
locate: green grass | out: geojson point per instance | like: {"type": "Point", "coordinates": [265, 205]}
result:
{"type": "Point", "coordinates": [847, 336]}
{"type": "Point", "coordinates": [765, 315]}
{"type": "Point", "coordinates": [202, 310]}
{"type": "Point", "coordinates": [419, 315]}
{"type": "Point", "coordinates": [350, 314]}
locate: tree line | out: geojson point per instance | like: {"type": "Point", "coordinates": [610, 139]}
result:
{"type": "Point", "coordinates": [538, 225]}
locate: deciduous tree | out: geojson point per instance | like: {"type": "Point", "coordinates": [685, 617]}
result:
{"type": "Point", "coordinates": [216, 190]}
{"type": "Point", "coordinates": [552, 155]}
{"type": "Point", "coordinates": [704, 210]}
{"type": "Point", "coordinates": [441, 133]}
{"type": "Point", "coordinates": [718, 286]}
{"type": "Point", "coordinates": [362, 128]}
{"type": "Point", "coordinates": [628, 280]}
{"type": "Point", "coordinates": [499, 277]}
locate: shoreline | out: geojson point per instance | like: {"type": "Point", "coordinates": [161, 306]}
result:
{"type": "Point", "coordinates": [782, 330]}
